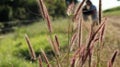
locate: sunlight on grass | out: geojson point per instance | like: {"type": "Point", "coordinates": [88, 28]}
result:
{"type": "Point", "coordinates": [14, 49]}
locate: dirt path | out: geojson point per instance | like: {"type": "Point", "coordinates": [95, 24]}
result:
{"type": "Point", "coordinates": [114, 25]}
{"type": "Point", "coordinates": [115, 20]}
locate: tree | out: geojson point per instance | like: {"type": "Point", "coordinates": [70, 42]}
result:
{"type": "Point", "coordinates": [11, 10]}
{"type": "Point", "coordinates": [16, 9]}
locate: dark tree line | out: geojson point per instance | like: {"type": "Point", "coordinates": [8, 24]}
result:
{"type": "Point", "coordinates": [16, 9]}
{"type": "Point", "coordinates": [12, 10]}
{"type": "Point", "coordinates": [28, 9]}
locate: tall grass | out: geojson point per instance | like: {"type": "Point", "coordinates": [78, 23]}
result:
{"type": "Point", "coordinates": [82, 54]}
{"type": "Point", "coordinates": [110, 63]}
{"type": "Point", "coordinates": [31, 51]}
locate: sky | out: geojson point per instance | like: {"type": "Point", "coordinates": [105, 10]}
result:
{"type": "Point", "coordinates": [106, 4]}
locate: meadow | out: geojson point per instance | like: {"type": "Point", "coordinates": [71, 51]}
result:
{"type": "Point", "coordinates": [14, 51]}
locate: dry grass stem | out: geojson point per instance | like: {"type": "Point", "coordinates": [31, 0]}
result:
{"type": "Point", "coordinates": [83, 53]}
{"type": "Point", "coordinates": [51, 43]}
{"type": "Point", "coordinates": [90, 45]}
{"type": "Point", "coordinates": [73, 62]}
{"type": "Point", "coordinates": [79, 53]}
{"type": "Point", "coordinates": [46, 59]}
{"type": "Point", "coordinates": [77, 13]}
{"type": "Point", "coordinates": [80, 33]}
{"type": "Point", "coordinates": [110, 63]}
{"type": "Point", "coordinates": [70, 8]}
{"type": "Point", "coordinates": [72, 42]}
{"type": "Point", "coordinates": [57, 41]}
{"type": "Point", "coordinates": [45, 14]}
{"type": "Point", "coordinates": [31, 51]}
{"type": "Point", "coordinates": [56, 45]}
{"type": "Point", "coordinates": [102, 33]}
{"type": "Point", "coordinates": [93, 36]}
{"type": "Point", "coordinates": [40, 61]}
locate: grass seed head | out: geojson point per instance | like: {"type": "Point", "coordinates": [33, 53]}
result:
{"type": "Point", "coordinates": [31, 51]}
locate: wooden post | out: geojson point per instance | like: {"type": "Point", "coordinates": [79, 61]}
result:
{"type": "Point", "coordinates": [100, 10]}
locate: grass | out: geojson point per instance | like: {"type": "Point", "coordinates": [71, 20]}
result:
{"type": "Point", "coordinates": [14, 50]}
{"type": "Point", "coordinates": [112, 12]}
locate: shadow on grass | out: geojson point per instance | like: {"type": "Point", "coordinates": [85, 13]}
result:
{"type": "Point", "coordinates": [24, 53]}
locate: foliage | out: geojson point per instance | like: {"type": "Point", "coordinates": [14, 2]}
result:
{"type": "Point", "coordinates": [56, 7]}
{"type": "Point", "coordinates": [15, 9]}
{"type": "Point", "coordinates": [28, 9]}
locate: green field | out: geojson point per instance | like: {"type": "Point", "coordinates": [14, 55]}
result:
{"type": "Point", "coordinates": [112, 11]}
{"type": "Point", "coordinates": [14, 50]}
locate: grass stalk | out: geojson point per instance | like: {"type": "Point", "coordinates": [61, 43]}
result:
{"type": "Point", "coordinates": [83, 52]}
{"type": "Point", "coordinates": [40, 61]}
{"type": "Point", "coordinates": [80, 33]}
{"type": "Point", "coordinates": [77, 13]}
{"type": "Point", "coordinates": [46, 59]}
{"type": "Point", "coordinates": [57, 45]}
{"type": "Point", "coordinates": [31, 51]}
{"type": "Point", "coordinates": [110, 63]}
{"type": "Point", "coordinates": [45, 14]}
{"type": "Point", "coordinates": [72, 41]}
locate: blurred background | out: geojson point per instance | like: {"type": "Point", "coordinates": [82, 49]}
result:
{"type": "Point", "coordinates": [20, 17]}
{"type": "Point", "coordinates": [20, 12]}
